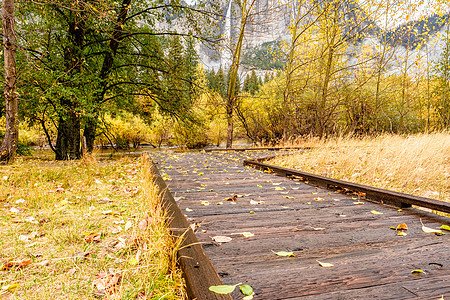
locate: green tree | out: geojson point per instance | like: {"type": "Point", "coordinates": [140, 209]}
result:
{"type": "Point", "coordinates": [92, 57]}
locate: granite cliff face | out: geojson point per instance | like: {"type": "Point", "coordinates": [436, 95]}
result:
{"type": "Point", "coordinates": [269, 22]}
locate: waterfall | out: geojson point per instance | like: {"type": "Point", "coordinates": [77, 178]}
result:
{"type": "Point", "coordinates": [225, 57]}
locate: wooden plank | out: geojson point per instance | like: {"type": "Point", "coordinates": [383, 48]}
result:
{"type": "Point", "coordinates": [198, 271]}
{"type": "Point", "coordinates": [372, 193]}
{"type": "Point", "coordinates": [370, 259]}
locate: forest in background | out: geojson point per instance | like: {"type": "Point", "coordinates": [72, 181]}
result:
{"type": "Point", "coordinates": [123, 73]}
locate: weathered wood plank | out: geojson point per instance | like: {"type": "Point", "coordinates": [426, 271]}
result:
{"type": "Point", "coordinates": [369, 258]}
{"type": "Point", "coordinates": [198, 271]}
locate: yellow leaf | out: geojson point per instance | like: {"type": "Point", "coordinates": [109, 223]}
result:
{"type": "Point", "coordinates": [205, 203]}
{"type": "Point", "coordinates": [430, 230]}
{"type": "Point", "coordinates": [401, 233]}
{"type": "Point", "coordinates": [188, 209]}
{"type": "Point", "coordinates": [325, 265]}
{"type": "Point", "coordinates": [10, 287]}
{"type": "Point", "coordinates": [278, 188]}
{"type": "Point", "coordinates": [247, 234]}
{"type": "Point", "coordinates": [417, 272]}
{"type": "Point", "coordinates": [376, 212]}
{"type": "Point", "coordinates": [290, 197]}
{"type": "Point", "coordinates": [221, 239]}
{"type": "Point", "coordinates": [133, 261]}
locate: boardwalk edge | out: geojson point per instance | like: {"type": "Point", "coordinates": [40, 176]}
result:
{"type": "Point", "coordinates": [374, 194]}
{"type": "Point", "coordinates": [198, 271]}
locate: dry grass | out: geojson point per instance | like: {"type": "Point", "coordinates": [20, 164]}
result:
{"type": "Point", "coordinates": [417, 164]}
{"type": "Point", "coordinates": [77, 220]}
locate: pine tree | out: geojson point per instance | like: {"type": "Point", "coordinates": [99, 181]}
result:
{"type": "Point", "coordinates": [221, 86]}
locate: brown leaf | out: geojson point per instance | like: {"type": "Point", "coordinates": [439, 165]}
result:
{"type": "Point", "coordinates": [143, 224]}
{"type": "Point", "coordinates": [18, 264]}
{"type": "Point", "coordinates": [93, 237]}
{"type": "Point", "coordinates": [108, 283]}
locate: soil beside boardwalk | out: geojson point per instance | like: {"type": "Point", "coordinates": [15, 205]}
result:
{"type": "Point", "coordinates": [370, 260]}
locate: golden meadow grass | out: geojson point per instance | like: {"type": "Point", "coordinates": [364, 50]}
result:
{"type": "Point", "coordinates": [415, 164]}
{"type": "Point", "coordinates": [72, 230]}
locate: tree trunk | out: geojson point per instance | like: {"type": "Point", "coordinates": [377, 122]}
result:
{"type": "Point", "coordinates": [11, 139]}
{"type": "Point", "coordinates": [231, 95]}
{"type": "Point", "coordinates": [90, 129]}
{"type": "Point", "coordinates": [91, 125]}
{"type": "Point", "coordinates": [68, 138]}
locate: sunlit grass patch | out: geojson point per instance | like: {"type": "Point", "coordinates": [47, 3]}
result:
{"type": "Point", "coordinates": [415, 164]}
{"type": "Point", "coordinates": [83, 230]}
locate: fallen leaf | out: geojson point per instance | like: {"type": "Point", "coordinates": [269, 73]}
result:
{"type": "Point", "coordinates": [15, 210]}
{"type": "Point", "coordinates": [318, 199]}
{"type": "Point", "coordinates": [430, 230]}
{"type": "Point", "coordinates": [401, 233]}
{"type": "Point", "coordinates": [219, 203]}
{"type": "Point", "coordinates": [133, 261]}
{"type": "Point", "coordinates": [402, 226]}
{"type": "Point", "coordinates": [223, 289]}
{"type": "Point", "coordinates": [418, 272]}
{"type": "Point", "coordinates": [107, 283]}
{"type": "Point", "coordinates": [27, 237]}
{"type": "Point", "coordinates": [374, 212]}
{"type": "Point", "coordinates": [250, 297]}
{"type": "Point", "coordinates": [290, 197]}
{"type": "Point", "coordinates": [325, 265]}
{"type": "Point", "coordinates": [11, 288]}
{"type": "Point", "coordinates": [128, 225]}
{"type": "Point", "coordinates": [188, 209]}
{"type": "Point", "coordinates": [358, 203]}
{"type": "Point", "coordinates": [93, 237]}
{"type": "Point", "coordinates": [143, 224]}
{"type": "Point", "coordinates": [31, 220]}
{"type": "Point", "coordinates": [221, 239]}
{"type": "Point", "coordinates": [246, 289]}
{"type": "Point", "coordinates": [278, 188]}
{"type": "Point", "coordinates": [318, 228]}
{"type": "Point", "coordinates": [284, 253]}
{"type": "Point", "coordinates": [445, 227]}
{"type": "Point", "coordinates": [18, 264]}
{"type": "Point", "coordinates": [114, 230]}
{"type": "Point", "coordinates": [252, 212]}
{"type": "Point", "coordinates": [205, 203]}
{"type": "Point", "coordinates": [247, 234]}
{"type": "Point", "coordinates": [253, 202]}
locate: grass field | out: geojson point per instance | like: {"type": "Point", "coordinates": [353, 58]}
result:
{"type": "Point", "coordinates": [416, 164]}
{"type": "Point", "coordinates": [84, 230]}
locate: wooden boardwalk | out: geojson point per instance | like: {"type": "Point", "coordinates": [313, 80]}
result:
{"type": "Point", "coordinates": [370, 260]}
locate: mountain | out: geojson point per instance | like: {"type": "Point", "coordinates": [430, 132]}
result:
{"type": "Point", "coordinates": [269, 27]}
